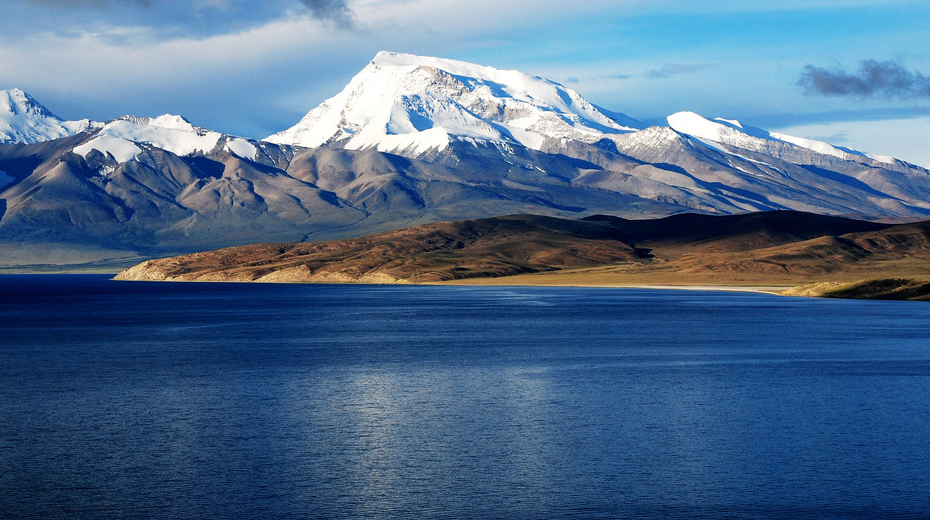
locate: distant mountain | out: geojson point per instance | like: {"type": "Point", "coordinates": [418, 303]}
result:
{"type": "Point", "coordinates": [471, 117]}
{"type": "Point", "coordinates": [25, 120]}
{"type": "Point", "coordinates": [125, 138]}
{"type": "Point", "coordinates": [410, 140]}
{"type": "Point", "coordinates": [769, 248]}
{"type": "Point", "coordinates": [140, 187]}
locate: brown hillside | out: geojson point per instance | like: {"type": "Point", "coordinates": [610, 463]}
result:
{"type": "Point", "coordinates": [429, 253]}
{"type": "Point", "coordinates": [774, 248]}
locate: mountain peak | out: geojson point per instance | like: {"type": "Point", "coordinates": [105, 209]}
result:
{"type": "Point", "coordinates": [410, 104]}
{"type": "Point", "coordinates": [451, 66]}
{"type": "Point", "coordinates": [25, 120]}
{"type": "Point", "coordinates": [17, 102]}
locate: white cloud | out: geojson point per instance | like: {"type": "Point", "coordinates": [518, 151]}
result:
{"type": "Point", "coordinates": [479, 16]}
{"type": "Point", "coordinates": [88, 56]}
{"type": "Point", "coordinates": [95, 68]}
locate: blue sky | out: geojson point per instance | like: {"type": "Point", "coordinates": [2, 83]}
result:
{"type": "Point", "coordinates": [853, 72]}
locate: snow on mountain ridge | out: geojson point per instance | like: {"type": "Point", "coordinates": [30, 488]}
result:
{"type": "Point", "coordinates": [416, 103]}
{"type": "Point", "coordinates": [170, 121]}
{"type": "Point", "coordinates": [733, 133]}
{"type": "Point", "coordinates": [121, 137]}
{"type": "Point", "coordinates": [25, 120]}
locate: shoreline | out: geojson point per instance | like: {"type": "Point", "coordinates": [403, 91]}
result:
{"type": "Point", "coordinates": [774, 289]}
{"type": "Point", "coordinates": [759, 289]}
{"type": "Point", "coordinates": [897, 289]}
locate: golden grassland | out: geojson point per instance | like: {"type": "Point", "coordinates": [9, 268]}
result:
{"type": "Point", "coordinates": [904, 283]}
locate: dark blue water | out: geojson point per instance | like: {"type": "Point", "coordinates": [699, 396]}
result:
{"type": "Point", "coordinates": [145, 400]}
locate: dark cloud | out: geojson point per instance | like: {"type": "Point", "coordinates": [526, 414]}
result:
{"type": "Point", "coordinates": [203, 17]}
{"type": "Point", "coordinates": [164, 19]}
{"type": "Point", "coordinates": [887, 79]}
{"type": "Point", "coordinates": [335, 11]}
{"type": "Point", "coordinates": [88, 3]}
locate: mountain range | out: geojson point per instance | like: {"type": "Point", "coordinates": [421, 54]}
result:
{"type": "Point", "coordinates": [410, 140]}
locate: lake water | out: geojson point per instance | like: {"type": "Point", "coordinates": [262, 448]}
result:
{"type": "Point", "coordinates": [235, 401]}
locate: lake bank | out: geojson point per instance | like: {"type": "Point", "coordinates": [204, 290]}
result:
{"type": "Point", "coordinates": [904, 289]}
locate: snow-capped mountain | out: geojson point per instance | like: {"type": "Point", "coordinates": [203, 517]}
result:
{"type": "Point", "coordinates": [409, 140]}
{"type": "Point", "coordinates": [25, 120]}
{"type": "Point", "coordinates": [123, 138]}
{"type": "Point", "coordinates": [414, 104]}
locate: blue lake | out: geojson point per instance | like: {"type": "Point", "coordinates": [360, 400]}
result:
{"type": "Point", "coordinates": [235, 401]}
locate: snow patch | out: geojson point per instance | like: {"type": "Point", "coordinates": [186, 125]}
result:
{"type": "Point", "coordinates": [415, 143]}
{"type": "Point", "coordinates": [121, 149]}
{"type": "Point", "coordinates": [174, 122]}
{"type": "Point", "coordinates": [881, 158]}
{"type": "Point", "coordinates": [242, 148]}
{"type": "Point", "coordinates": [817, 146]}
{"type": "Point", "coordinates": [717, 131]}
{"type": "Point", "coordinates": [731, 122]}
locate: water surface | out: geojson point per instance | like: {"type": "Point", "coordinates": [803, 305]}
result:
{"type": "Point", "coordinates": [159, 400]}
